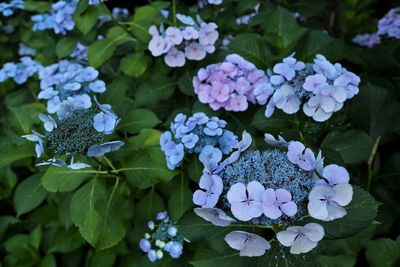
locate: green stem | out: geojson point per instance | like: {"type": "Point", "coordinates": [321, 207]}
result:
{"type": "Point", "coordinates": [371, 161]}
{"type": "Point", "coordinates": [174, 11]}
{"type": "Point", "coordinates": [109, 163]}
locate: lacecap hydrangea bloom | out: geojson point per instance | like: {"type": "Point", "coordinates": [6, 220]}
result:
{"type": "Point", "coordinates": [66, 86]}
{"type": "Point", "coordinates": [20, 72]}
{"type": "Point", "coordinates": [229, 84]}
{"type": "Point", "coordinates": [59, 18]}
{"type": "Point", "coordinates": [8, 9]}
{"type": "Point", "coordinates": [322, 86]}
{"type": "Point", "coordinates": [192, 40]}
{"type": "Point", "coordinates": [195, 134]}
{"type": "Point", "coordinates": [274, 188]}
{"type": "Point", "coordinates": [81, 132]}
{"type": "Point", "coordinates": [163, 237]}
{"type": "Point", "coordinates": [203, 3]}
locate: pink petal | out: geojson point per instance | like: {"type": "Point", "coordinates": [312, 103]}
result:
{"type": "Point", "coordinates": [283, 195]}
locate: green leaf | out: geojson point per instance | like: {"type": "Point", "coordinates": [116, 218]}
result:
{"type": "Point", "coordinates": [274, 125]}
{"type": "Point", "coordinates": [154, 90]}
{"type": "Point", "coordinates": [383, 252]}
{"type": "Point", "coordinates": [65, 46]}
{"type": "Point", "coordinates": [24, 116]}
{"type": "Point", "coordinates": [65, 241]}
{"type": "Point", "coordinates": [353, 146]}
{"type": "Point", "coordinates": [147, 168]}
{"type": "Point", "coordinates": [180, 200]}
{"type": "Point", "coordinates": [195, 169]}
{"type": "Point", "coordinates": [147, 208]}
{"type": "Point", "coordinates": [252, 47]}
{"type": "Point", "coordinates": [29, 195]}
{"type": "Point", "coordinates": [11, 153]}
{"type": "Point", "coordinates": [376, 112]}
{"type": "Point", "coordinates": [280, 27]}
{"type": "Point", "coordinates": [102, 50]}
{"type": "Point", "coordinates": [319, 42]}
{"type": "Point", "coordinates": [48, 261]}
{"type": "Point", "coordinates": [86, 20]}
{"type": "Point", "coordinates": [63, 179]}
{"type": "Point", "coordinates": [360, 213]}
{"type": "Point", "coordinates": [143, 18]}
{"type": "Point", "coordinates": [38, 6]}
{"type": "Point", "coordinates": [134, 66]}
{"type": "Point", "coordinates": [138, 119]}
{"type": "Point", "coordinates": [98, 214]}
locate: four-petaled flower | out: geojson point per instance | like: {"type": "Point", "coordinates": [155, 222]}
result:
{"type": "Point", "coordinates": [301, 239]}
{"type": "Point", "coordinates": [212, 184]}
{"type": "Point", "coordinates": [276, 202]}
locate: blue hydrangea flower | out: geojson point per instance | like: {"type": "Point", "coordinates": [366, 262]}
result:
{"type": "Point", "coordinates": [81, 132]}
{"type": "Point", "coordinates": [25, 50]}
{"type": "Point", "coordinates": [59, 18]}
{"type": "Point", "coordinates": [8, 9]}
{"type": "Point", "coordinates": [20, 72]}
{"type": "Point", "coordinates": [67, 85]}
{"type": "Point", "coordinates": [281, 186]}
{"type": "Point", "coordinates": [193, 134]}
{"type": "Point", "coordinates": [80, 53]}
{"type": "Point", "coordinates": [163, 237]}
{"type": "Point", "coordinates": [320, 88]}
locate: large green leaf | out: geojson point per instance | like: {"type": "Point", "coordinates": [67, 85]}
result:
{"type": "Point", "coordinates": [180, 200]}
{"type": "Point", "coordinates": [137, 119]}
{"type": "Point", "coordinates": [319, 42]}
{"type": "Point", "coordinates": [99, 214]}
{"type": "Point", "coordinates": [11, 153]}
{"type": "Point", "coordinates": [65, 46]}
{"type": "Point", "coordinates": [29, 194]}
{"type": "Point", "coordinates": [280, 27]}
{"type": "Point", "coordinates": [383, 252]}
{"type": "Point", "coordinates": [375, 111]}
{"type": "Point", "coordinates": [154, 90]}
{"type": "Point", "coordinates": [146, 168]}
{"type": "Point", "coordinates": [252, 47]}
{"type": "Point", "coordinates": [86, 20]}
{"type": "Point", "coordinates": [24, 116]}
{"type": "Point", "coordinates": [135, 65]}
{"type": "Point", "coordinates": [63, 179]}
{"type": "Point", "coordinates": [360, 213]}
{"type": "Point", "coordinates": [353, 146]}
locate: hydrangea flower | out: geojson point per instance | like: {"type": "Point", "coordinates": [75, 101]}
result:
{"type": "Point", "coordinates": [301, 239]}
{"type": "Point", "coordinates": [203, 3]}
{"type": "Point", "coordinates": [59, 19]}
{"type": "Point", "coordinates": [20, 72]}
{"type": "Point", "coordinates": [275, 186]}
{"type": "Point", "coordinates": [82, 132]}
{"type": "Point", "coordinates": [25, 50]}
{"type": "Point", "coordinates": [80, 53]}
{"type": "Point", "coordinates": [67, 85]}
{"type": "Point", "coordinates": [8, 9]}
{"type": "Point", "coordinates": [193, 40]}
{"type": "Point", "coordinates": [192, 135]}
{"type": "Point", "coordinates": [229, 84]}
{"type": "Point", "coordinates": [367, 39]}
{"type": "Point", "coordinates": [163, 237]}
{"type": "Point", "coordinates": [390, 24]}
{"type": "Point", "coordinates": [321, 87]}
{"type": "Point", "coordinates": [249, 245]}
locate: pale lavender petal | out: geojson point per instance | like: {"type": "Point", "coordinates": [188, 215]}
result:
{"type": "Point", "coordinates": [241, 211]}
{"type": "Point", "coordinates": [272, 212]}
{"type": "Point", "coordinates": [282, 195]}
{"type": "Point", "coordinates": [343, 194]}
{"type": "Point", "coordinates": [215, 216]}
{"type": "Point", "coordinates": [336, 174]}
{"type": "Point", "coordinates": [302, 245]}
{"type": "Point", "coordinates": [237, 193]}
{"type": "Point", "coordinates": [286, 238]}
{"type": "Point", "coordinates": [269, 197]}
{"type": "Point", "coordinates": [255, 191]}
{"type": "Point", "coordinates": [290, 208]}
{"type": "Point", "coordinates": [314, 231]}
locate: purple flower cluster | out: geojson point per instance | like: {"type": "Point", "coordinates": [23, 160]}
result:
{"type": "Point", "coordinates": [276, 186]}
{"type": "Point", "coordinates": [20, 72]}
{"type": "Point", "coordinates": [66, 86]}
{"type": "Point", "coordinates": [230, 84]}
{"type": "Point", "coordinates": [367, 39]}
{"type": "Point", "coordinates": [165, 237]}
{"type": "Point", "coordinates": [8, 9]}
{"type": "Point", "coordinates": [195, 134]}
{"type": "Point", "coordinates": [323, 87]}
{"type": "Point", "coordinates": [390, 24]}
{"type": "Point", "coordinates": [80, 53]}
{"type": "Point", "coordinates": [59, 18]}
{"type": "Point", "coordinates": [193, 41]}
